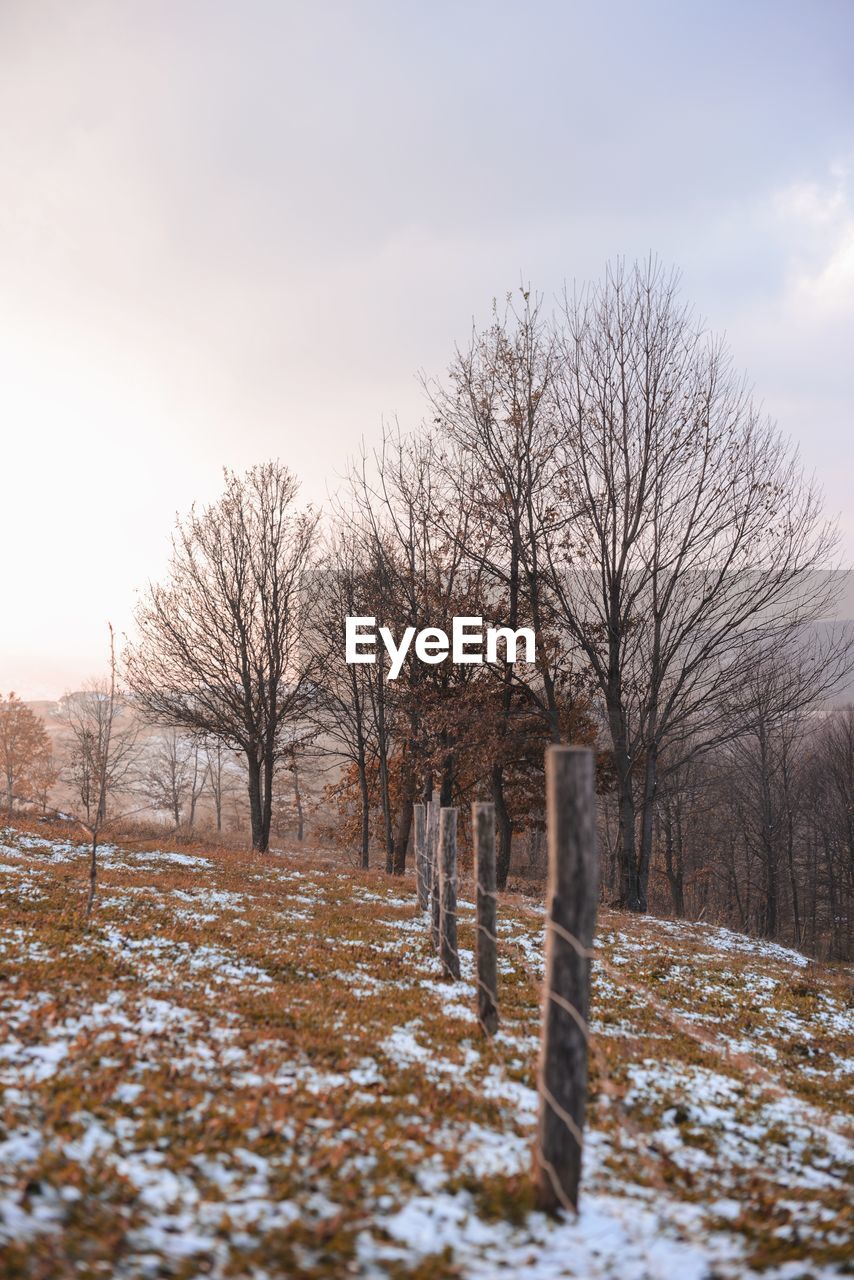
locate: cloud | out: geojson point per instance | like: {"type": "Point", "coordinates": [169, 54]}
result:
{"type": "Point", "coordinates": [816, 223]}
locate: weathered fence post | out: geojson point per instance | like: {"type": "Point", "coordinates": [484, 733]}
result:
{"type": "Point", "coordinates": [432, 840]}
{"type": "Point", "coordinates": [420, 839]}
{"type": "Point", "coordinates": [483, 826]}
{"type": "Point", "coordinates": [570, 918]}
{"type": "Point", "coordinates": [448, 891]}
{"type": "Point", "coordinates": [433, 860]}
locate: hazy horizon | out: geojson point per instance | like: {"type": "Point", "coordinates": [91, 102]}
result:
{"type": "Point", "coordinates": [232, 233]}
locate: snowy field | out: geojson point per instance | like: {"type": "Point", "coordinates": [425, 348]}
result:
{"type": "Point", "coordinates": [251, 1067]}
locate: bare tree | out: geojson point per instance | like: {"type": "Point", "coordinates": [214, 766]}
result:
{"type": "Point", "coordinates": [421, 577]}
{"type": "Point", "coordinates": [679, 792]}
{"type": "Point", "coordinates": [174, 775]}
{"type": "Point", "coordinates": [829, 834]}
{"type": "Point", "coordinates": [223, 775]}
{"type": "Point", "coordinates": [498, 419]}
{"type": "Point", "coordinates": [343, 712]}
{"type": "Point", "coordinates": [391, 493]}
{"type": "Point", "coordinates": [773, 713]}
{"type": "Point", "coordinates": [103, 756]}
{"type": "Point", "coordinates": [293, 768]}
{"type": "Point", "coordinates": [220, 641]}
{"type": "Point", "coordinates": [694, 532]}
{"type": "Point", "coordinates": [289, 803]}
{"type": "Point", "coordinates": [43, 775]}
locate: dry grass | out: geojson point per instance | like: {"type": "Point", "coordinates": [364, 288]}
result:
{"type": "Point", "coordinates": [249, 1065]}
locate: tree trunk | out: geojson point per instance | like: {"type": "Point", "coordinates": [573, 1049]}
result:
{"type": "Point", "coordinates": [267, 801]}
{"type": "Point", "coordinates": [793, 884]}
{"type": "Point", "coordinates": [195, 789]}
{"type": "Point", "coordinates": [446, 794]}
{"type": "Point", "coordinates": [366, 808]}
{"type": "Point", "coordinates": [420, 843]}
{"type": "Point", "coordinates": [404, 823]}
{"type": "Point", "coordinates": [217, 787]}
{"type": "Point", "coordinates": [673, 863]}
{"type": "Point", "coordinates": [768, 921]}
{"type": "Point", "coordinates": [255, 815]}
{"type": "Point", "coordinates": [382, 746]}
{"type": "Point", "coordinates": [93, 874]}
{"type": "Point", "coordinates": [630, 895]}
{"type": "Point", "coordinates": [504, 827]}
{"type": "Point", "coordinates": [630, 890]}
{"type": "Point", "coordinates": [298, 802]}
{"type": "Point", "coordinates": [647, 814]}
{"type": "Point", "coordinates": [769, 909]}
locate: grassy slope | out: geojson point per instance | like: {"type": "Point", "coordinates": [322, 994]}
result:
{"type": "Point", "coordinates": [251, 1067]}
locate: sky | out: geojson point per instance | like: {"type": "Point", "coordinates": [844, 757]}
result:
{"type": "Point", "coordinates": [230, 232]}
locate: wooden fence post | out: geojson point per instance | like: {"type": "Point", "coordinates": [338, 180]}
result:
{"type": "Point", "coordinates": [483, 827]}
{"type": "Point", "coordinates": [431, 810]}
{"type": "Point", "coordinates": [420, 839]}
{"type": "Point", "coordinates": [433, 859]}
{"type": "Point", "coordinates": [448, 891]}
{"type": "Point", "coordinates": [570, 919]}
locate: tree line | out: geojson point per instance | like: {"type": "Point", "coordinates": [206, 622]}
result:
{"type": "Point", "coordinates": [602, 474]}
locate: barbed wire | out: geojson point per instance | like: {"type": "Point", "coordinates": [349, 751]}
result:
{"type": "Point", "coordinates": [586, 953]}
{"type": "Point", "coordinates": [565, 1202]}
{"type": "Point", "coordinates": [605, 1083]}
{"type": "Point", "coordinates": [706, 1040]}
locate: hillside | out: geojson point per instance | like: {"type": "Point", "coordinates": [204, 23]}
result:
{"type": "Point", "coordinates": [250, 1066]}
